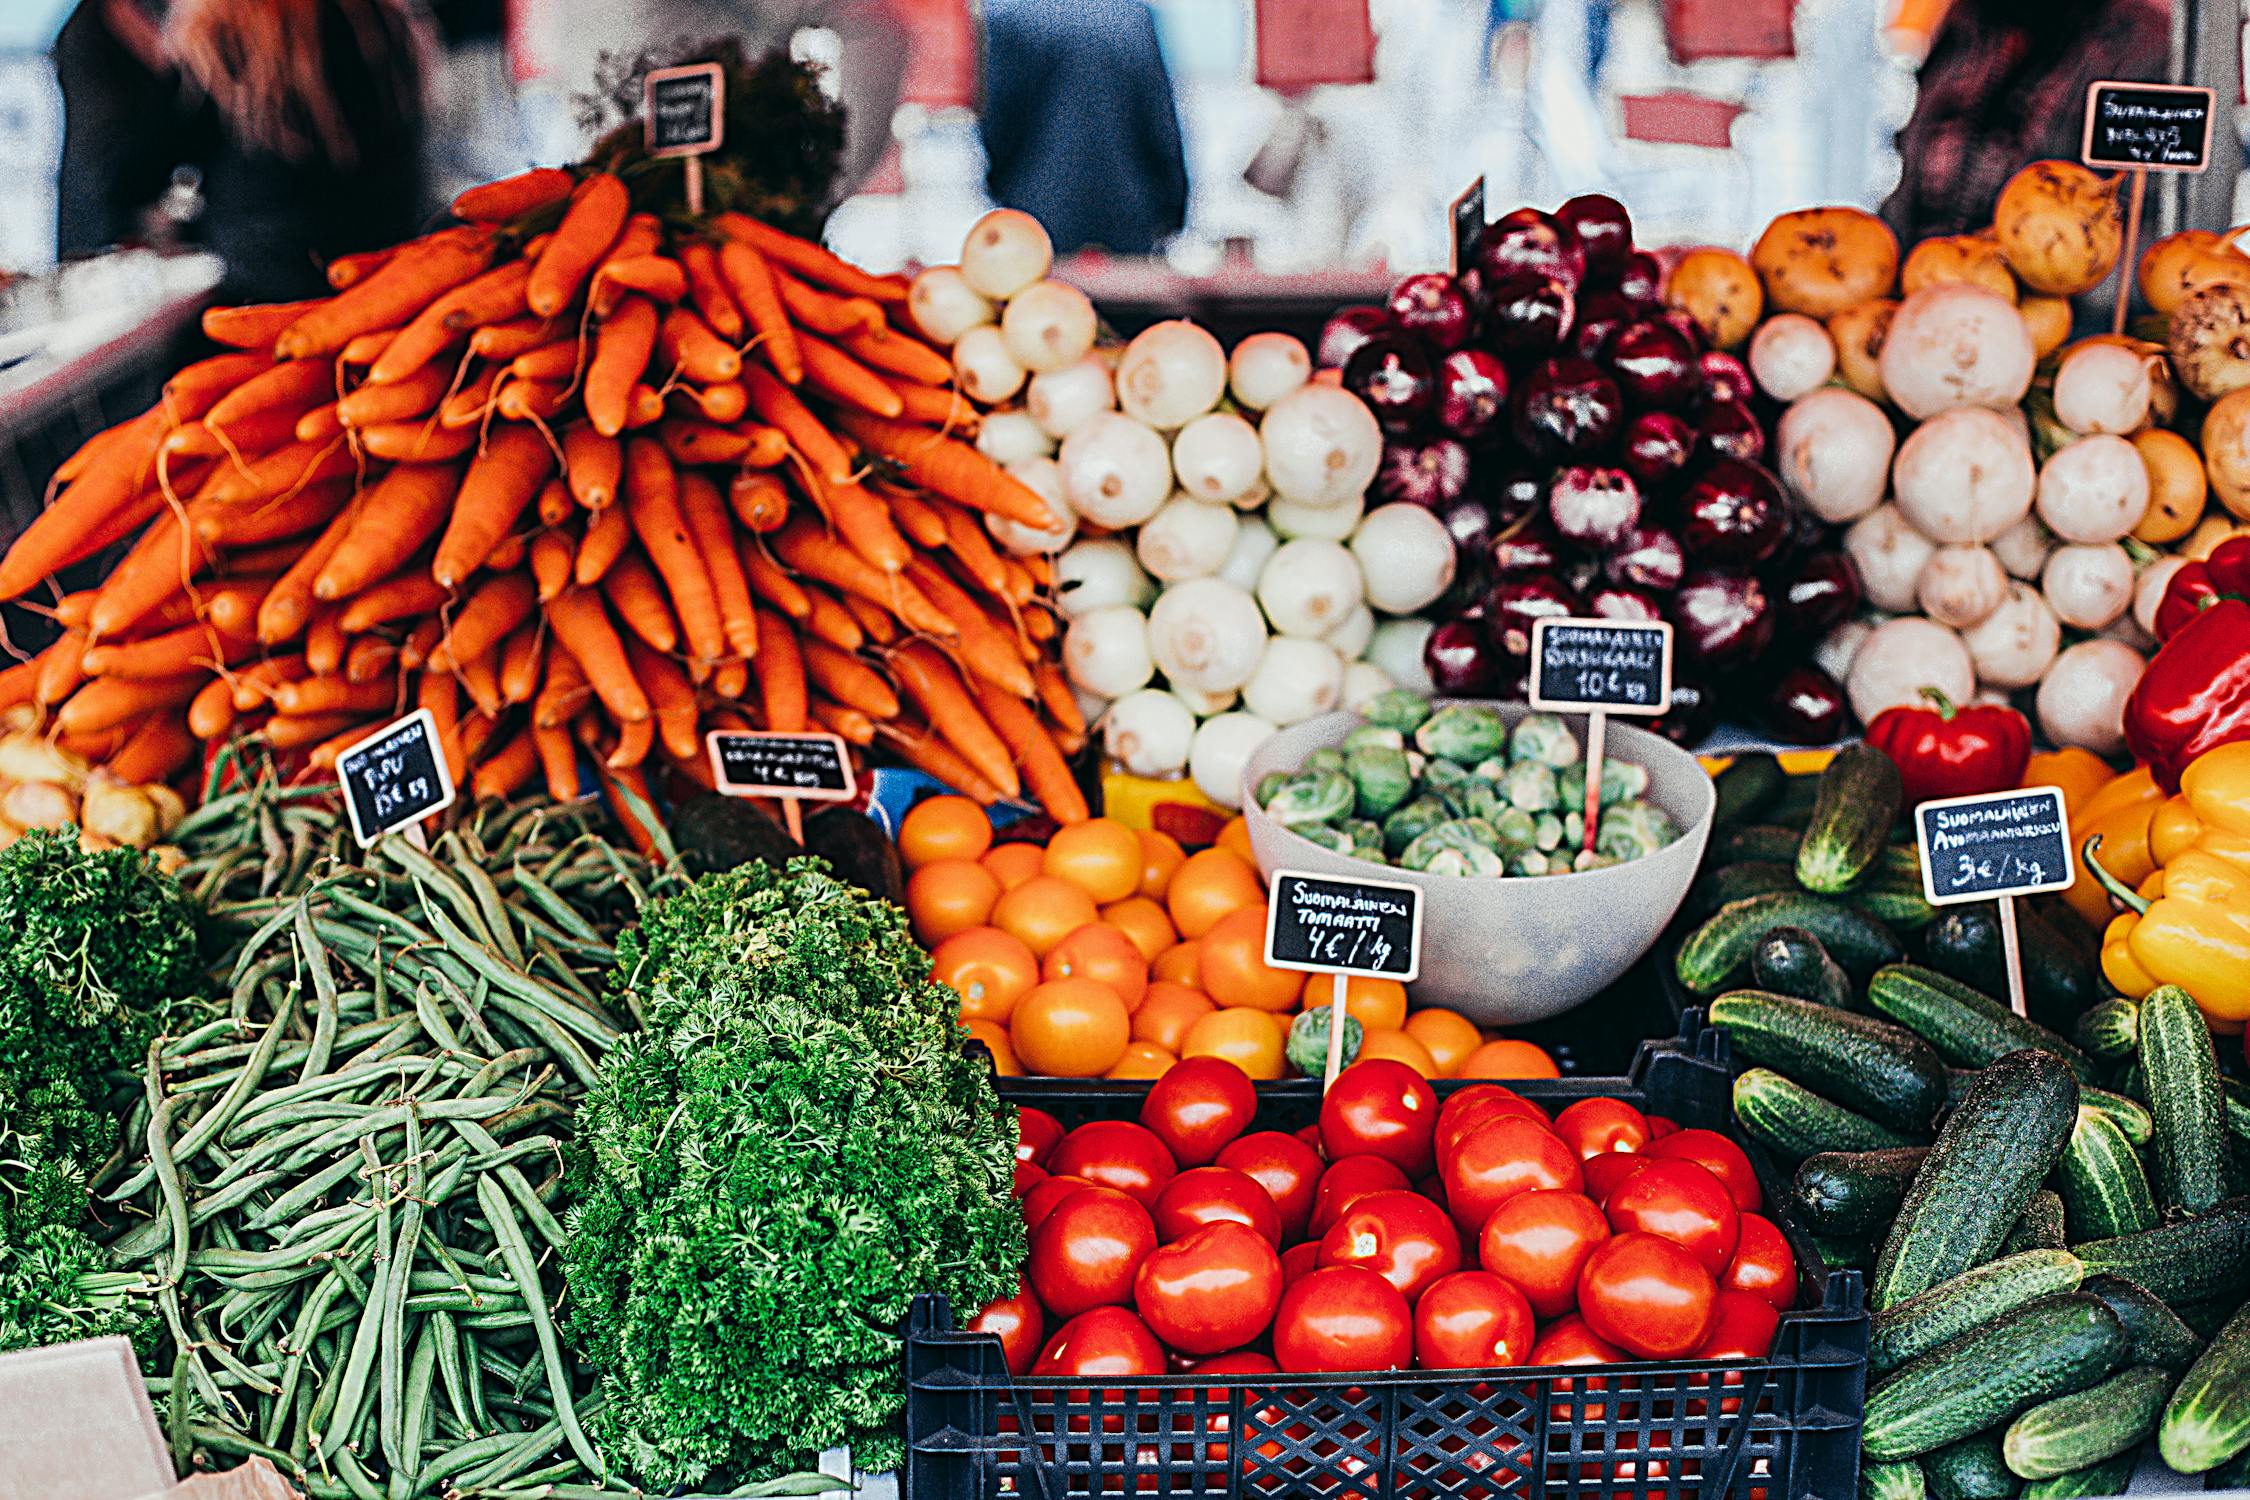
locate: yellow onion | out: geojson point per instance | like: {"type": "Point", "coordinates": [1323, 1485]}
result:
{"type": "Point", "coordinates": [1720, 291]}
{"type": "Point", "coordinates": [2059, 226]}
{"type": "Point", "coordinates": [1819, 261]}
{"type": "Point", "coordinates": [2210, 340]}
{"type": "Point", "coordinates": [1858, 331]}
{"type": "Point", "coordinates": [1971, 258]}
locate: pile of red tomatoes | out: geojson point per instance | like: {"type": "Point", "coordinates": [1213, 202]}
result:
{"type": "Point", "coordinates": [1394, 1233]}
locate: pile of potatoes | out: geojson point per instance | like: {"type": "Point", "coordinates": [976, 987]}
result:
{"type": "Point", "coordinates": [44, 786]}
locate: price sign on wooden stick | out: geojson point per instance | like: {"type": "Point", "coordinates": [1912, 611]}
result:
{"type": "Point", "coordinates": [2144, 128]}
{"type": "Point", "coordinates": [793, 767]}
{"type": "Point", "coordinates": [1996, 846]}
{"type": "Point", "coordinates": [1599, 668]}
{"type": "Point", "coordinates": [1322, 925]}
{"type": "Point", "coordinates": [684, 113]}
{"type": "Point", "coordinates": [394, 778]}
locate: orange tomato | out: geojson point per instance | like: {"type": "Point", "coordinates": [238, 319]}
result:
{"type": "Point", "coordinates": [943, 828]}
{"type": "Point", "coordinates": [989, 969]}
{"type": "Point", "coordinates": [995, 1037]}
{"type": "Point", "coordinates": [1399, 1047]}
{"type": "Point", "coordinates": [1043, 911]}
{"type": "Point", "coordinates": [1143, 920]}
{"type": "Point", "coordinates": [1012, 864]}
{"type": "Point", "coordinates": [1167, 1011]}
{"type": "Point", "coordinates": [1377, 1004]}
{"type": "Point", "coordinates": [1161, 854]}
{"type": "Point", "coordinates": [1508, 1058]}
{"type": "Point", "coordinates": [948, 896]}
{"type": "Point", "coordinates": [1100, 952]}
{"type": "Point", "coordinates": [1235, 838]}
{"type": "Point", "coordinates": [1232, 967]}
{"type": "Point", "coordinates": [1142, 1060]}
{"type": "Point", "coordinates": [1177, 963]}
{"type": "Point", "coordinates": [1243, 1037]}
{"type": "Point", "coordinates": [1101, 856]}
{"type": "Point", "coordinates": [1071, 1028]}
{"type": "Point", "coordinates": [1209, 884]}
{"type": "Point", "coordinates": [1447, 1035]}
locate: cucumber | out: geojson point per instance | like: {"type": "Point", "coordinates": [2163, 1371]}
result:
{"type": "Point", "coordinates": [1885, 1072]}
{"type": "Point", "coordinates": [2234, 1474]}
{"type": "Point", "coordinates": [2158, 1335]}
{"type": "Point", "coordinates": [2235, 1099]}
{"type": "Point", "coordinates": [1715, 950]}
{"type": "Point", "coordinates": [1854, 1192]}
{"type": "Point", "coordinates": [2208, 1419]}
{"type": "Point", "coordinates": [2183, 1099]}
{"type": "Point", "coordinates": [2039, 1226]}
{"type": "Point", "coordinates": [1968, 1027]}
{"type": "Point", "coordinates": [1972, 1469]}
{"type": "Point", "coordinates": [1958, 1082]}
{"type": "Point", "coordinates": [2183, 1262]}
{"type": "Point", "coordinates": [2059, 982]}
{"type": "Point", "coordinates": [2205, 1316]}
{"type": "Point", "coordinates": [1851, 818]}
{"type": "Point", "coordinates": [1900, 1481]}
{"type": "Point", "coordinates": [1899, 1335]}
{"type": "Point", "coordinates": [2110, 1031]}
{"type": "Point", "coordinates": [1750, 784]}
{"type": "Point", "coordinates": [1720, 884]}
{"type": "Point", "coordinates": [1791, 961]}
{"type": "Point", "coordinates": [1901, 906]}
{"type": "Point", "coordinates": [1795, 804]}
{"type": "Point", "coordinates": [2046, 1349]}
{"type": "Point", "coordinates": [1794, 1122]}
{"type": "Point", "coordinates": [2109, 1477]}
{"type": "Point", "coordinates": [2104, 1191]}
{"type": "Point", "coordinates": [1995, 1148]}
{"type": "Point", "coordinates": [2068, 1433]}
{"type": "Point", "coordinates": [2129, 1115]}
{"type": "Point", "coordinates": [1844, 1253]}
{"type": "Point", "coordinates": [1758, 843]}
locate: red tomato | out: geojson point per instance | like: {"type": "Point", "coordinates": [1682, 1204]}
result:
{"type": "Point", "coordinates": [1210, 1195]}
{"type": "Point", "coordinates": [1500, 1159]}
{"type": "Point", "coordinates": [1040, 1201]}
{"type": "Point", "coordinates": [1299, 1259]}
{"type": "Point", "coordinates": [1342, 1318]}
{"type": "Point", "coordinates": [1763, 1264]}
{"type": "Point", "coordinates": [1213, 1291]}
{"type": "Point", "coordinates": [1401, 1236]}
{"type": "Point", "coordinates": [1309, 1134]}
{"type": "Point", "coordinates": [1742, 1327]}
{"type": "Point", "coordinates": [1019, 1324]}
{"type": "Point", "coordinates": [1236, 1363]}
{"type": "Point", "coordinates": [1540, 1240]}
{"type": "Point", "coordinates": [1471, 1320]}
{"type": "Point", "coordinates": [1029, 1174]}
{"type": "Point", "coordinates": [1116, 1154]}
{"type": "Point", "coordinates": [1568, 1341]}
{"type": "Point", "coordinates": [1233, 1362]}
{"type": "Point", "coordinates": [1593, 1127]}
{"type": "Point", "coordinates": [1348, 1180]}
{"type": "Point", "coordinates": [1036, 1134]}
{"type": "Point", "coordinates": [1660, 1126]}
{"type": "Point", "coordinates": [1719, 1156]}
{"type": "Point", "coordinates": [1380, 1108]}
{"type": "Point", "coordinates": [1084, 1254]}
{"type": "Point", "coordinates": [1198, 1106]}
{"type": "Point", "coordinates": [1102, 1341]}
{"type": "Point", "coordinates": [1644, 1293]}
{"type": "Point", "coordinates": [1605, 1172]}
{"type": "Point", "coordinates": [1472, 1107]}
{"type": "Point", "coordinates": [1684, 1203]}
{"type": "Point", "coordinates": [1287, 1168]}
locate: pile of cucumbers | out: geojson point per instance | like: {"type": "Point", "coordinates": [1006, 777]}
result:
{"type": "Point", "coordinates": [2055, 1230]}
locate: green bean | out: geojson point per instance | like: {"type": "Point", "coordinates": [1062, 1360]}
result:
{"type": "Point", "coordinates": [308, 1191]}
{"type": "Point", "coordinates": [174, 1048]}
{"type": "Point", "coordinates": [344, 1397]}
{"type": "Point", "coordinates": [396, 1287]}
{"type": "Point", "coordinates": [504, 1064]}
{"type": "Point", "coordinates": [253, 1073]}
{"type": "Point", "coordinates": [421, 1374]}
{"type": "Point", "coordinates": [448, 1338]}
{"type": "Point", "coordinates": [302, 1336]}
{"type": "Point", "coordinates": [427, 872]}
{"type": "Point", "coordinates": [472, 1362]}
{"type": "Point", "coordinates": [497, 918]}
{"type": "Point", "coordinates": [324, 994]}
{"type": "Point", "coordinates": [229, 1362]}
{"type": "Point", "coordinates": [521, 1265]}
{"type": "Point", "coordinates": [515, 982]}
{"type": "Point", "coordinates": [527, 1451]}
{"type": "Point", "coordinates": [557, 910]}
{"type": "Point", "coordinates": [355, 1476]}
{"type": "Point", "coordinates": [167, 1175]}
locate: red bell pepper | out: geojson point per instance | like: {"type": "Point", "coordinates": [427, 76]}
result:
{"type": "Point", "coordinates": [2195, 695]}
{"type": "Point", "coordinates": [1946, 751]}
{"type": "Point", "coordinates": [2225, 574]}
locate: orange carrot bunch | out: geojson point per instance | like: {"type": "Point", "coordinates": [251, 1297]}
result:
{"type": "Point", "coordinates": [601, 488]}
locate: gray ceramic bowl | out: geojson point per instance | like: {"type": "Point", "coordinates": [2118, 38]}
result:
{"type": "Point", "coordinates": [1504, 952]}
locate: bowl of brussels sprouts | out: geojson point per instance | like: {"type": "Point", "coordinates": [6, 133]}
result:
{"type": "Point", "coordinates": [1482, 805]}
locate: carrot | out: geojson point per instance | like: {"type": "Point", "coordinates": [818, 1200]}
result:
{"type": "Point", "coordinates": [512, 197]}
{"type": "Point", "coordinates": [364, 350]}
{"type": "Point", "coordinates": [194, 391]}
{"type": "Point", "coordinates": [802, 547]}
{"type": "Point", "coordinates": [254, 684]}
{"type": "Point", "coordinates": [821, 312]}
{"type": "Point", "coordinates": [695, 351]}
{"type": "Point", "coordinates": [555, 361]}
{"type": "Point", "coordinates": [781, 674]}
{"type": "Point", "coordinates": [211, 712]}
{"type": "Point", "coordinates": [320, 424]}
{"type": "Point", "coordinates": [966, 539]}
{"type": "Point", "coordinates": [474, 733]}
{"type": "Point", "coordinates": [915, 744]}
{"type": "Point", "coordinates": [409, 281]}
{"type": "Point", "coordinates": [507, 553]}
{"type": "Point", "coordinates": [62, 668]}
{"type": "Point", "coordinates": [480, 679]}
{"type": "Point", "coordinates": [621, 352]}
{"type": "Point", "coordinates": [558, 762]}
{"type": "Point", "coordinates": [872, 618]}
{"type": "Point", "coordinates": [416, 442]}
{"type": "Point", "coordinates": [269, 520]}
{"type": "Point", "coordinates": [370, 657]}
{"type": "Point", "coordinates": [70, 612]}
{"type": "Point", "coordinates": [20, 681]}
{"type": "Point", "coordinates": [255, 326]}
{"type": "Point", "coordinates": [670, 695]}
{"type": "Point", "coordinates": [350, 270]}
{"type": "Point", "coordinates": [850, 681]}
{"type": "Point", "coordinates": [639, 598]}
{"type": "Point", "coordinates": [770, 583]}
{"type": "Point", "coordinates": [808, 259]}
{"type": "Point", "coordinates": [290, 732]}
{"type": "Point", "coordinates": [723, 403]}
{"type": "Point", "coordinates": [441, 695]}
{"type": "Point", "coordinates": [521, 657]}
{"type": "Point", "coordinates": [1046, 770]}
{"type": "Point", "coordinates": [532, 401]}
{"type": "Point", "coordinates": [937, 690]}
{"type": "Point", "coordinates": [590, 225]}
{"type": "Point", "coordinates": [251, 437]}
{"type": "Point", "coordinates": [324, 641]}
{"type": "Point", "coordinates": [656, 276]}
{"type": "Point", "coordinates": [288, 604]}
{"type": "Point", "coordinates": [834, 373]}
{"type": "Point", "coordinates": [504, 341]}
{"type": "Point", "coordinates": [777, 407]}
{"type": "Point", "coordinates": [555, 504]}
{"type": "Point", "coordinates": [94, 746]}
{"type": "Point", "coordinates": [158, 566]}
{"type": "Point", "coordinates": [900, 354]}
{"type": "Point", "coordinates": [759, 501]}
{"type": "Point", "coordinates": [403, 510]}
{"type": "Point", "coordinates": [288, 468]}
{"type": "Point", "coordinates": [503, 773]}
{"type": "Point", "coordinates": [1058, 699]}
{"type": "Point", "coordinates": [158, 748]}
{"type": "Point", "coordinates": [986, 649]}
{"type": "Point", "coordinates": [643, 234]}
{"type": "Point", "coordinates": [582, 626]}
{"type": "Point", "coordinates": [865, 524]}
{"type": "Point", "coordinates": [169, 653]}
{"type": "Point", "coordinates": [496, 489]}
{"type": "Point", "coordinates": [713, 533]}
{"type": "Point", "coordinates": [105, 489]}
{"type": "Point", "coordinates": [607, 534]}
{"type": "Point", "coordinates": [563, 691]}
{"type": "Point", "coordinates": [494, 297]}
{"type": "Point", "coordinates": [593, 464]}
{"type": "Point", "coordinates": [834, 624]}
{"type": "Point", "coordinates": [419, 643]}
{"type": "Point", "coordinates": [646, 408]}
{"type": "Point", "coordinates": [333, 695]}
{"type": "Point", "coordinates": [952, 469]}
{"type": "Point", "coordinates": [107, 702]}
{"type": "Point", "coordinates": [931, 406]}
{"type": "Point", "coordinates": [750, 279]}
{"type": "Point", "coordinates": [652, 499]}
{"type": "Point", "coordinates": [856, 727]}
{"type": "Point", "coordinates": [691, 442]}
{"type": "Point", "coordinates": [707, 289]}
{"type": "Point", "coordinates": [496, 608]}
{"type": "Point", "coordinates": [405, 595]}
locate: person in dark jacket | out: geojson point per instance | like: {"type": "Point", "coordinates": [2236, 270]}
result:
{"type": "Point", "coordinates": [1079, 126]}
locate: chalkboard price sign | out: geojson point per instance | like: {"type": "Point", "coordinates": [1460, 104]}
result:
{"type": "Point", "coordinates": [748, 763]}
{"type": "Point", "coordinates": [1998, 844]}
{"type": "Point", "coordinates": [685, 109]}
{"type": "Point", "coordinates": [395, 777]}
{"type": "Point", "coordinates": [2147, 127]}
{"type": "Point", "coordinates": [1618, 666]}
{"type": "Point", "coordinates": [1329, 926]}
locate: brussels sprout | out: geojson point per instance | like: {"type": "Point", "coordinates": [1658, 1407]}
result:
{"type": "Point", "coordinates": [1476, 863]}
{"type": "Point", "coordinates": [1463, 733]}
{"type": "Point", "coordinates": [1481, 798]}
{"type": "Point", "coordinates": [1491, 768]}
{"type": "Point", "coordinates": [1268, 784]}
{"type": "Point", "coordinates": [1461, 846]}
{"type": "Point", "coordinates": [1591, 859]}
{"type": "Point", "coordinates": [1632, 829]}
{"type": "Point", "coordinates": [1327, 835]}
{"type": "Point", "coordinates": [1531, 862]}
{"type": "Point", "coordinates": [1544, 738]}
{"type": "Point", "coordinates": [1307, 1047]}
{"type": "Point", "coordinates": [1380, 779]}
{"type": "Point", "coordinates": [1549, 833]}
{"type": "Point", "coordinates": [1621, 781]}
{"type": "Point", "coordinates": [1374, 734]}
{"type": "Point", "coordinates": [1516, 829]}
{"type": "Point", "coordinates": [1366, 835]}
{"type": "Point", "coordinates": [1328, 758]}
{"type": "Point", "coordinates": [1530, 785]}
{"type": "Point", "coordinates": [1397, 709]}
{"type": "Point", "coordinates": [1574, 828]}
{"type": "Point", "coordinates": [1416, 762]}
{"type": "Point", "coordinates": [1410, 822]}
{"type": "Point", "coordinates": [1311, 797]}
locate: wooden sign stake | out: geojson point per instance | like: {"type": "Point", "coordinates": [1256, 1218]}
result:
{"type": "Point", "coordinates": [1336, 1017]}
{"type": "Point", "coordinates": [793, 818]}
{"type": "Point", "coordinates": [2012, 953]}
{"type": "Point", "coordinates": [695, 187]}
{"type": "Point", "coordinates": [2125, 264]}
{"type": "Point", "coordinates": [1597, 731]}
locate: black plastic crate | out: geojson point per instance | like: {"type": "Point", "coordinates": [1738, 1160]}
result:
{"type": "Point", "coordinates": [1672, 1429]}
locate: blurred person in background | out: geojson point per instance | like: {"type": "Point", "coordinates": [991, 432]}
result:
{"type": "Point", "coordinates": [303, 118]}
{"type": "Point", "coordinates": [1080, 128]}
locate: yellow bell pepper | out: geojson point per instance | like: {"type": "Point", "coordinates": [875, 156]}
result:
{"type": "Point", "coordinates": [2119, 966]}
{"type": "Point", "coordinates": [2077, 772]}
{"type": "Point", "coordinates": [2176, 828]}
{"type": "Point", "coordinates": [2217, 785]}
{"type": "Point", "coordinates": [2189, 926]}
{"type": "Point", "coordinates": [2119, 815]}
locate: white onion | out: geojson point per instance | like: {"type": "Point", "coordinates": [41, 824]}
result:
{"type": "Point", "coordinates": [2023, 548]}
{"type": "Point", "coordinates": [1149, 733]}
{"type": "Point", "coordinates": [1048, 325]}
{"type": "Point", "coordinates": [1956, 345]}
{"type": "Point", "coordinates": [1351, 634]}
{"type": "Point", "coordinates": [1203, 705]}
{"type": "Point", "coordinates": [2082, 697]}
{"type": "Point", "coordinates": [1207, 634]}
{"type": "Point", "coordinates": [1890, 555]}
{"type": "Point", "coordinates": [1791, 355]}
{"type": "Point", "coordinates": [1116, 471]}
{"type": "Point", "coordinates": [1406, 555]}
{"type": "Point", "coordinates": [2102, 387]}
{"type": "Point", "coordinates": [1185, 539]}
{"type": "Point", "coordinates": [1222, 749]}
{"type": "Point", "coordinates": [1006, 251]}
{"type": "Point", "coordinates": [2011, 647]}
{"type": "Point", "coordinates": [1326, 523]}
{"type": "Point", "coordinates": [1172, 373]}
{"type": "Point", "coordinates": [1965, 475]}
{"type": "Point", "coordinates": [1106, 651]}
{"type": "Point", "coordinates": [1044, 478]}
{"type": "Point", "coordinates": [1322, 445]}
{"type": "Point", "coordinates": [2148, 593]}
{"type": "Point", "coordinates": [944, 306]}
{"type": "Point", "coordinates": [1308, 586]}
{"type": "Point", "coordinates": [984, 369]}
{"type": "Point", "coordinates": [1363, 680]}
{"type": "Point", "coordinates": [1266, 367]}
{"type": "Point", "coordinates": [1010, 436]}
{"type": "Point", "coordinates": [1254, 542]}
{"type": "Point", "coordinates": [2128, 630]}
{"type": "Point", "coordinates": [2089, 585]}
{"type": "Point", "coordinates": [1295, 681]}
{"type": "Point", "coordinates": [1835, 450]}
{"type": "Point", "coordinates": [2095, 490]}
{"type": "Point", "coordinates": [1098, 573]}
{"type": "Point", "coordinates": [1061, 400]}
{"type": "Point", "coordinates": [1960, 585]}
{"type": "Point", "coordinates": [1902, 657]}
{"type": "Point", "coordinates": [1397, 651]}
{"type": "Point", "coordinates": [1218, 457]}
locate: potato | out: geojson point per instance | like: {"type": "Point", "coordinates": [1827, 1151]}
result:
{"type": "Point", "coordinates": [170, 858]}
{"type": "Point", "coordinates": [1819, 261]}
{"type": "Point", "coordinates": [2059, 226]}
{"type": "Point", "coordinates": [1720, 291]}
{"type": "Point", "coordinates": [1971, 258]}
{"type": "Point", "coordinates": [38, 804]}
{"type": "Point", "coordinates": [1859, 331]}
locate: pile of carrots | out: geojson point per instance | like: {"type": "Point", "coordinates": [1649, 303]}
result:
{"type": "Point", "coordinates": [573, 478]}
